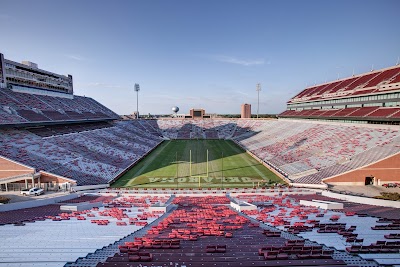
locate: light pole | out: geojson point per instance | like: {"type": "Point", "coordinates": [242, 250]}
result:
{"type": "Point", "coordinates": [258, 89]}
{"type": "Point", "coordinates": [177, 173]}
{"type": "Point", "coordinates": [137, 89]}
{"type": "Point", "coordinates": [222, 169]}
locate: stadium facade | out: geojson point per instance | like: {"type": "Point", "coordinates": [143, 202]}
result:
{"type": "Point", "coordinates": [27, 77]}
{"type": "Point", "coordinates": [372, 97]}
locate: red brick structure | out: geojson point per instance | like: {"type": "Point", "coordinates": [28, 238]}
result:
{"type": "Point", "coordinates": [245, 111]}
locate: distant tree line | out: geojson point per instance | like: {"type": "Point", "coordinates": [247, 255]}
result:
{"type": "Point", "coordinates": [262, 116]}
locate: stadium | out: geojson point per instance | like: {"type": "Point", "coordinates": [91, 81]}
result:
{"type": "Point", "coordinates": [86, 180]}
{"type": "Point", "coordinates": [55, 138]}
{"type": "Point", "coordinates": [191, 191]}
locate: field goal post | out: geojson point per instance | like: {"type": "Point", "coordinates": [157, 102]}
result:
{"type": "Point", "coordinates": [190, 168]}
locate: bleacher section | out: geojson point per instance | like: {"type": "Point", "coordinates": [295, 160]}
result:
{"type": "Point", "coordinates": [95, 153]}
{"type": "Point", "coordinates": [52, 238]}
{"type": "Point", "coordinates": [352, 230]}
{"type": "Point", "coordinates": [368, 97]}
{"type": "Point", "coordinates": [357, 208]}
{"type": "Point", "coordinates": [346, 113]}
{"type": "Point", "coordinates": [361, 84]}
{"type": "Point", "coordinates": [200, 229]}
{"type": "Point", "coordinates": [17, 108]}
{"type": "Point", "coordinates": [310, 152]}
{"type": "Point", "coordinates": [204, 231]}
{"type": "Point", "coordinates": [189, 129]}
{"type": "Point", "coordinates": [89, 154]}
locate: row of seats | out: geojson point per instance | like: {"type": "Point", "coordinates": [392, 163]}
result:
{"type": "Point", "coordinates": [364, 112]}
{"type": "Point", "coordinates": [356, 249]}
{"type": "Point", "coordinates": [302, 152]}
{"type": "Point", "coordinates": [195, 234]}
{"type": "Point", "coordinates": [92, 156]}
{"type": "Point", "coordinates": [350, 208]}
{"type": "Point", "coordinates": [310, 152]}
{"type": "Point", "coordinates": [355, 85]}
{"type": "Point", "coordinates": [18, 108]}
{"type": "Point", "coordinates": [192, 129]}
{"type": "Point", "coordinates": [57, 238]}
{"type": "Point", "coordinates": [342, 229]}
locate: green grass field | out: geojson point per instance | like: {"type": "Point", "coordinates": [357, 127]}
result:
{"type": "Point", "coordinates": [169, 166]}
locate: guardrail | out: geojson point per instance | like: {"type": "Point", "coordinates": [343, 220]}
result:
{"type": "Point", "coordinates": [36, 202]}
{"type": "Point", "coordinates": [363, 200]}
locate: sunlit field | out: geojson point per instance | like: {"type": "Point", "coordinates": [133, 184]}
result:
{"type": "Point", "coordinates": [197, 163]}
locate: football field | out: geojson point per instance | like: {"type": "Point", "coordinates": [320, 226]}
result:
{"type": "Point", "coordinates": [197, 163]}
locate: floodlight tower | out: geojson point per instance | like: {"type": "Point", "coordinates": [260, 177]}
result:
{"type": "Point", "coordinates": [137, 89]}
{"type": "Point", "coordinates": [258, 89]}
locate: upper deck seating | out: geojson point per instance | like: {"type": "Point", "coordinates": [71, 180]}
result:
{"type": "Point", "coordinates": [41, 108]}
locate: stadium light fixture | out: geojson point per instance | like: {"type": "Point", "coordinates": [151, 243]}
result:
{"type": "Point", "coordinates": [258, 89]}
{"type": "Point", "coordinates": [137, 89]}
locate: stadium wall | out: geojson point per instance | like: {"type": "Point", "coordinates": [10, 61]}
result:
{"type": "Point", "coordinates": [363, 200]}
{"type": "Point", "coordinates": [45, 123]}
{"type": "Point", "coordinates": [36, 202]}
{"type": "Point", "coordinates": [384, 171]}
{"type": "Point", "coordinates": [88, 187]}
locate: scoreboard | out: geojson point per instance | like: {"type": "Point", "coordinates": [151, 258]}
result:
{"type": "Point", "coordinates": [198, 113]}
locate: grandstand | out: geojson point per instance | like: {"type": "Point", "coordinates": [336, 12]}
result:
{"type": "Point", "coordinates": [309, 152]}
{"type": "Point", "coordinates": [67, 139]}
{"type": "Point", "coordinates": [51, 138]}
{"type": "Point", "coordinates": [303, 152]}
{"type": "Point", "coordinates": [371, 97]}
{"type": "Point", "coordinates": [35, 104]}
{"type": "Point", "coordinates": [184, 228]}
{"type": "Point", "coordinates": [29, 109]}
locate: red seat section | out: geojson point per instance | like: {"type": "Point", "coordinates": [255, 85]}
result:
{"type": "Point", "coordinates": [25, 107]}
{"type": "Point", "coordinates": [352, 96]}
{"type": "Point", "coordinates": [209, 219]}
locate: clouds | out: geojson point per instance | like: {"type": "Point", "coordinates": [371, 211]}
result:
{"type": "Point", "coordinates": [75, 57]}
{"type": "Point", "coordinates": [237, 61]}
{"type": "Point", "coordinates": [242, 93]}
{"type": "Point", "coordinates": [101, 86]}
{"type": "Point", "coordinates": [246, 62]}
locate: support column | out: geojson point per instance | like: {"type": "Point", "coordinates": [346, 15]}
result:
{"type": "Point", "coordinates": [6, 187]}
{"type": "Point", "coordinates": [26, 183]}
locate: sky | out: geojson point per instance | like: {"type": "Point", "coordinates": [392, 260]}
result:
{"type": "Point", "coordinates": [200, 53]}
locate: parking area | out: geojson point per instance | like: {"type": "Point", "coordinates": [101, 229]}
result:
{"type": "Point", "coordinates": [15, 196]}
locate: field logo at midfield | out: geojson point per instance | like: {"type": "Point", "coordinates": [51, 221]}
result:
{"type": "Point", "coordinates": [204, 179]}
